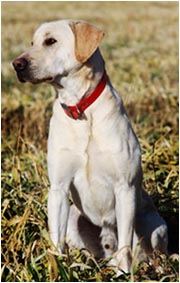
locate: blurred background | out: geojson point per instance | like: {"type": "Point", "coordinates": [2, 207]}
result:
{"type": "Point", "coordinates": [140, 49]}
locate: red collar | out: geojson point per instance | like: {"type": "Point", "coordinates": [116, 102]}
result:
{"type": "Point", "coordinates": [77, 111]}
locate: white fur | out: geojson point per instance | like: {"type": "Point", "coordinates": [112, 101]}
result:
{"type": "Point", "coordinates": [97, 159]}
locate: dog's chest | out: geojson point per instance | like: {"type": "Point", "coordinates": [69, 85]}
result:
{"type": "Point", "coordinates": [95, 177]}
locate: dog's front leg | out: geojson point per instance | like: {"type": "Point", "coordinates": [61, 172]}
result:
{"type": "Point", "coordinates": [58, 211]}
{"type": "Point", "coordinates": [125, 214]}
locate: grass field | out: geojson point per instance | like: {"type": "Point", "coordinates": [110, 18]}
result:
{"type": "Point", "coordinates": [141, 53]}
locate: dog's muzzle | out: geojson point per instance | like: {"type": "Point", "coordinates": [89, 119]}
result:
{"type": "Point", "coordinates": [24, 72]}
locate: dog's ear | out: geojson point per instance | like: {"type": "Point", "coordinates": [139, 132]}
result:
{"type": "Point", "coordinates": [87, 39]}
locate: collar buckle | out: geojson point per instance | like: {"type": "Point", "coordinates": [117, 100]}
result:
{"type": "Point", "coordinates": [73, 112]}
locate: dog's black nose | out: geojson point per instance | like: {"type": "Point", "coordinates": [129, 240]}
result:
{"type": "Point", "coordinates": [20, 64]}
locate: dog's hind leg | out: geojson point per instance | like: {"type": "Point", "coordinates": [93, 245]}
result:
{"type": "Point", "coordinates": [150, 227]}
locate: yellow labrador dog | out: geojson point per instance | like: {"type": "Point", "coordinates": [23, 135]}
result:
{"type": "Point", "coordinates": [93, 152]}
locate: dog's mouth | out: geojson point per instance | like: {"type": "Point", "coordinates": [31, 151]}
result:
{"type": "Point", "coordinates": [45, 80]}
{"type": "Point", "coordinates": [23, 78]}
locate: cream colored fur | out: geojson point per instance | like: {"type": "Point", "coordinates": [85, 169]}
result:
{"type": "Point", "coordinates": [97, 159]}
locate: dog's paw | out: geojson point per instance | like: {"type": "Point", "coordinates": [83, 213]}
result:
{"type": "Point", "coordinates": [109, 244]}
{"type": "Point", "coordinates": [119, 270]}
{"type": "Point", "coordinates": [159, 238]}
{"type": "Point", "coordinates": [122, 261]}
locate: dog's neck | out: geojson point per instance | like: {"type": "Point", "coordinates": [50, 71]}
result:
{"type": "Point", "coordinates": [79, 83]}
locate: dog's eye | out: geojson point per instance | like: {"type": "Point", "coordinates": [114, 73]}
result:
{"type": "Point", "coordinates": [50, 41]}
{"type": "Point", "coordinates": [31, 43]}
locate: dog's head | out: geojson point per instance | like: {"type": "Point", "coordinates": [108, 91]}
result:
{"type": "Point", "coordinates": [57, 49]}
